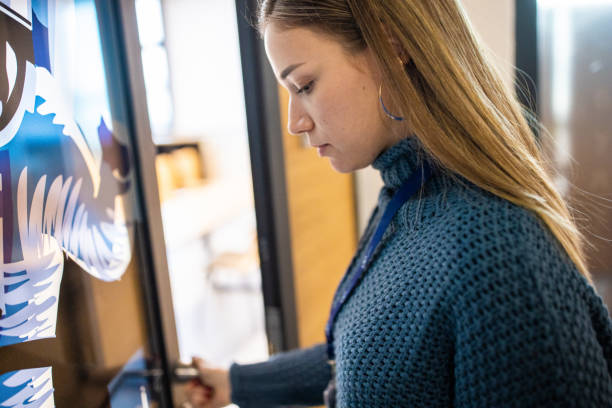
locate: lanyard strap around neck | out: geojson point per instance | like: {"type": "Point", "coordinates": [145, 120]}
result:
{"type": "Point", "coordinates": [407, 190]}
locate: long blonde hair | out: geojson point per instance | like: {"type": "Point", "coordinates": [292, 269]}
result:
{"type": "Point", "coordinates": [454, 101]}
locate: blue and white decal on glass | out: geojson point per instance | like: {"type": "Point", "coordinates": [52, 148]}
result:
{"type": "Point", "coordinates": [65, 175]}
{"type": "Point", "coordinates": [31, 388]}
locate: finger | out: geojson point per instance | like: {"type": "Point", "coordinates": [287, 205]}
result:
{"type": "Point", "coordinates": [199, 363]}
{"type": "Point", "coordinates": [194, 383]}
{"type": "Point", "coordinates": [197, 390]}
{"type": "Point", "coordinates": [203, 369]}
{"type": "Point", "coordinates": [199, 396]}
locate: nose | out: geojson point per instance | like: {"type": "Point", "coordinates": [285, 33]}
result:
{"type": "Point", "coordinates": [298, 119]}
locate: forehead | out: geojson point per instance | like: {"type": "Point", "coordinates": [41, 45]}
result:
{"type": "Point", "coordinates": [299, 45]}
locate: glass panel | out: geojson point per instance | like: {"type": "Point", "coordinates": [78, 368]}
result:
{"type": "Point", "coordinates": [73, 325]}
{"type": "Point", "coordinates": [576, 101]}
{"type": "Point", "coordinates": [155, 66]}
{"type": "Point", "coordinates": [206, 187]}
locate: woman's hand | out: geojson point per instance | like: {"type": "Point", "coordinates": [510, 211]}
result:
{"type": "Point", "coordinates": [212, 389]}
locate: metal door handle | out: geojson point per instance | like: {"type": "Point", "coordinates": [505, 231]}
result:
{"type": "Point", "coordinates": [185, 373]}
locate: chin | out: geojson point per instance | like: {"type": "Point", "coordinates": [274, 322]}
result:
{"type": "Point", "coordinates": [343, 167]}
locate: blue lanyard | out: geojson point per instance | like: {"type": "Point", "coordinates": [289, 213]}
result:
{"type": "Point", "coordinates": [407, 190]}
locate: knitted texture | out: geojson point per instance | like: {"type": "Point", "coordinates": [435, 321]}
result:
{"type": "Point", "coordinates": [469, 301]}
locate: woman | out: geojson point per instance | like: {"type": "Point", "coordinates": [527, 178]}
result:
{"type": "Point", "coordinates": [470, 287]}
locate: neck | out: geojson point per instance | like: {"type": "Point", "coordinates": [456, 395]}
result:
{"type": "Point", "coordinates": [398, 162]}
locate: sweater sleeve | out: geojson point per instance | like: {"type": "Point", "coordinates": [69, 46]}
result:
{"type": "Point", "coordinates": [529, 333]}
{"type": "Point", "coordinates": [297, 377]}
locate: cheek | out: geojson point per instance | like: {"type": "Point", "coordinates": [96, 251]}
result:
{"type": "Point", "coordinates": [331, 102]}
{"type": "Point", "coordinates": [345, 108]}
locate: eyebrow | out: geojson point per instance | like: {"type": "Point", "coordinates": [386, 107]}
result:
{"type": "Point", "coordinates": [288, 70]}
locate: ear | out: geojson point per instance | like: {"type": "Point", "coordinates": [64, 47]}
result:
{"type": "Point", "coordinates": [372, 65]}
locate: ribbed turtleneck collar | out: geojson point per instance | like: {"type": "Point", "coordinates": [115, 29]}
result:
{"type": "Point", "coordinates": [397, 163]}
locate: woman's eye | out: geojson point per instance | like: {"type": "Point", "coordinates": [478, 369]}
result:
{"type": "Point", "coordinates": [306, 88]}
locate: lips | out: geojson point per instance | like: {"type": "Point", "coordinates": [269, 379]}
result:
{"type": "Point", "coordinates": [321, 148]}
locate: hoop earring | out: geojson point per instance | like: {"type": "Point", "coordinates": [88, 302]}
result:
{"type": "Point", "coordinates": [384, 108]}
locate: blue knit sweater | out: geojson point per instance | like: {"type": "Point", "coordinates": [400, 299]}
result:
{"type": "Point", "coordinates": [469, 301]}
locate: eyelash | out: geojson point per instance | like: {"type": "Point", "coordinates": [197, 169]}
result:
{"type": "Point", "coordinates": [306, 89]}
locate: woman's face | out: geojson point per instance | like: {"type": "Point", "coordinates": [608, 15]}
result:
{"type": "Point", "coordinates": [333, 96]}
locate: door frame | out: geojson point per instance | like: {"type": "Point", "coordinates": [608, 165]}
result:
{"type": "Point", "coordinates": [121, 32]}
{"type": "Point", "coordinates": [269, 184]}
{"type": "Point", "coordinates": [527, 58]}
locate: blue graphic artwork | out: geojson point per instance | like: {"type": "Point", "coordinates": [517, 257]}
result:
{"type": "Point", "coordinates": [64, 173]}
{"type": "Point", "coordinates": [32, 388]}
